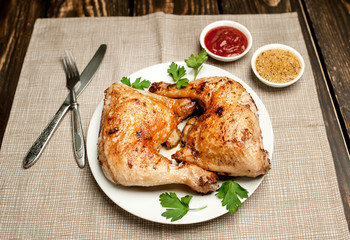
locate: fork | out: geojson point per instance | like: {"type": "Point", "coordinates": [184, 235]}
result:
{"type": "Point", "coordinates": [73, 78]}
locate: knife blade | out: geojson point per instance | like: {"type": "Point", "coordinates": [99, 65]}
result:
{"type": "Point", "coordinates": [85, 77]}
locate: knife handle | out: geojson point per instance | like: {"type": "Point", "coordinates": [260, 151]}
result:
{"type": "Point", "coordinates": [78, 137]}
{"type": "Point", "coordinates": [39, 145]}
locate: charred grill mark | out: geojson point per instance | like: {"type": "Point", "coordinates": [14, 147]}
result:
{"type": "Point", "coordinates": [159, 87]}
{"type": "Point", "coordinates": [154, 87]}
{"type": "Point", "coordinates": [182, 164]}
{"type": "Point", "coordinates": [113, 130]}
{"type": "Point", "coordinates": [137, 101]}
{"type": "Point", "coordinates": [201, 87]}
{"type": "Point", "coordinates": [245, 134]}
{"type": "Point", "coordinates": [143, 135]}
{"type": "Point", "coordinates": [195, 153]}
{"type": "Point", "coordinates": [110, 119]}
{"type": "Point", "coordinates": [138, 133]}
{"type": "Point", "coordinates": [208, 180]}
{"type": "Point", "coordinates": [130, 163]}
{"type": "Point", "coordinates": [219, 111]}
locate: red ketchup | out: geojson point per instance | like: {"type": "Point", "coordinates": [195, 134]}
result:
{"type": "Point", "coordinates": [226, 41]}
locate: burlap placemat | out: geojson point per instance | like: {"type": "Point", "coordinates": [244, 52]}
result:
{"type": "Point", "coordinates": [54, 199]}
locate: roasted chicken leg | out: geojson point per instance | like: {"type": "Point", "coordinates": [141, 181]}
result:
{"type": "Point", "coordinates": [134, 124]}
{"type": "Point", "coordinates": [226, 138]}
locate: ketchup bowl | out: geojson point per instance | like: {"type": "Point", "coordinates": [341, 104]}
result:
{"type": "Point", "coordinates": [225, 40]}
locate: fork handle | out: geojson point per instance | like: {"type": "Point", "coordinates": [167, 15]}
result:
{"type": "Point", "coordinates": [78, 137]}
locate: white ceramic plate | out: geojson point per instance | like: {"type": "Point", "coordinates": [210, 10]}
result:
{"type": "Point", "coordinates": [144, 201]}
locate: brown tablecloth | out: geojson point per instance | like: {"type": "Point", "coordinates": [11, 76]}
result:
{"type": "Point", "coordinates": [54, 199]}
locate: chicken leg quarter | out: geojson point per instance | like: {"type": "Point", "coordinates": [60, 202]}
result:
{"type": "Point", "coordinates": [226, 138]}
{"type": "Point", "coordinates": [134, 124]}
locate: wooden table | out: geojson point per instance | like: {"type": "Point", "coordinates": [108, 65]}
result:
{"type": "Point", "coordinates": [325, 25]}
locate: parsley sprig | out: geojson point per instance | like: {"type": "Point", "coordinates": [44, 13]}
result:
{"type": "Point", "coordinates": [196, 62]}
{"type": "Point", "coordinates": [176, 208]}
{"type": "Point", "coordinates": [229, 192]}
{"type": "Point", "coordinates": [177, 72]}
{"type": "Point", "coordinates": [138, 84]}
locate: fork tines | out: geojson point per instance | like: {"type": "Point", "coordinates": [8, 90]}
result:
{"type": "Point", "coordinates": [69, 64]}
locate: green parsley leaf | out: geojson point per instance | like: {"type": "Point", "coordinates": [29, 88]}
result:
{"type": "Point", "coordinates": [138, 84]}
{"type": "Point", "coordinates": [177, 72]}
{"type": "Point", "coordinates": [176, 208]}
{"type": "Point", "coordinates": [196, 62]}
{"type": "Point", "coordinates": [126, 81]}
{"type": "Point", "coordinates": [229, 192]}
{"type": "Point", "coordinates": [183, 82]}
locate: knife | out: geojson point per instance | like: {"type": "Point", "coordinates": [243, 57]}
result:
{"type": "Point", "coordinates": [85, 77]}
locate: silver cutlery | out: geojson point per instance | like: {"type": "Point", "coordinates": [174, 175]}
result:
{"type": "Point", "coordinates": [72, 76]}
{"type": "Point", "coordinates": [85, 77]}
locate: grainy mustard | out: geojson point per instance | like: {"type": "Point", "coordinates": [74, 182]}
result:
{"type": "Point", "coordinates": [278, 65]}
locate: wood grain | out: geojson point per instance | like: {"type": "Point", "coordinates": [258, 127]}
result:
{"type": "Point", "coordinates": [88, 8]}
{"type": "Point", "coordinates": [335, 134]}
{"type": "Point", "coordinates": [272, 3]}
{"type": "Point", "coordinates": [332, 32]}
{"type": "Point", "coordinates": [251, 7]}
{"type": "Point", "coordinates": [179, 7]}
{"type": "Point", "coordinates": [17, 21]}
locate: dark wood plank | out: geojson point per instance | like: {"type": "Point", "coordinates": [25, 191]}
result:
{"type": "Point", "coordinates": [251, 7]}
{"type": "Point", "coordinates": [332, 32]}
{"type": "Point", "coordinates": [179, 7]}
{"type": "Point", "coordinates": [336, 137]}
{"type": "Point", "coordinates": [88, 8]}
{"type": "Point", "coordinates": [16, 23]}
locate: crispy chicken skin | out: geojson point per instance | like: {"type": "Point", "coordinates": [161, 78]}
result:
{"type": "Point", "coordinates": [226, 138]}
{"type": "Point", "coordinates": [133, 126]}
